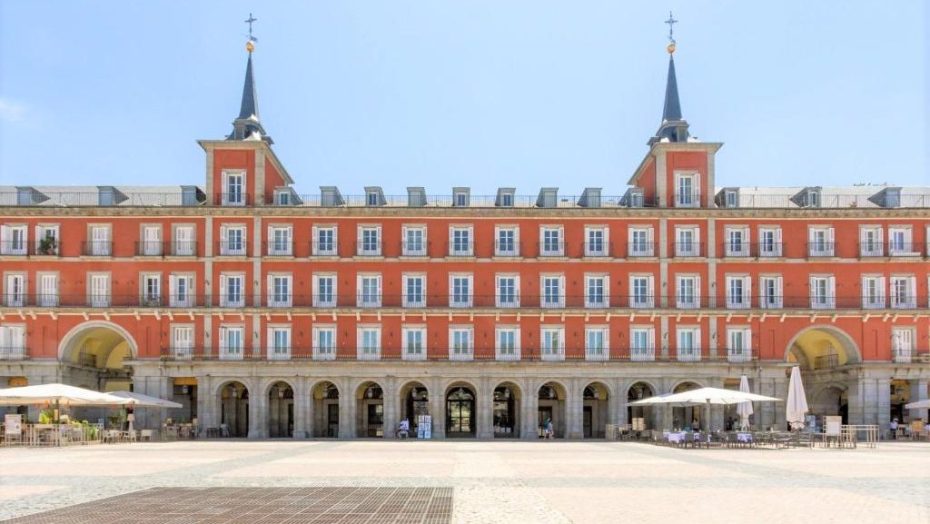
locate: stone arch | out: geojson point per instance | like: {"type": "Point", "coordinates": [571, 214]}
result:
{"type": "Point", "coordinates": [269, 383]}
{"type": "Point", "coordinates": [507, 399]}
{"type": "Point", "coordinates": [369, 399]}
{"type": "Point", "coordinates": [414, 398]}
{"type": "Point", "coordinates": [830, 399]}
{"type": "Point", "coordinates": [689, 417]}
{"type": "Point", "coordinates": [73, 335]}
{"type": "Point", "coordinates": [97, 351]}
{"type": "Point", "coordinates": [280, 395]}
{"type": "Point", "coordinates": [813, 347]}
{"type": "Point", "coordinates": [697, 382]}
{"type": "Point", "coordinates": [456, 382]}
{"type": "Point", "coordinates": [641, 417]}
{"type": "Point", "coordinates": [247, 382]}
{"type": "Point", "coordinates": [595, 408]}
{"type": "Point", "coordinates": [233, 402]}
{"type": "Point", "coordinates": [325, 395]}
{"type": "Point", "coordinates": [461, 409]}
{"type": "Point", "coordinates": [553, 406]}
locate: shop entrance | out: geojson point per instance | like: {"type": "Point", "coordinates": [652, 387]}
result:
{"type": "Point", "coordinates": [460, 409]}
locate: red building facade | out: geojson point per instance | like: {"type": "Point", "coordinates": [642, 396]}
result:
{"type": "Point", "coordinates": [271, 314]}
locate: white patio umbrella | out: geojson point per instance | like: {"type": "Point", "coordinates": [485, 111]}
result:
{"type": "Point", "coordinates": [796, 407]}
{"type": "Point", "coordinates": [705, 397]}
{"type": "Point", "coordinates": [919, 404]}
{"type": "Point", "coordinates": [744, 409]}
{"type": "Point", "coordinates": [56, 393]}
{"type": "Point", "coordinates": [131, 398]}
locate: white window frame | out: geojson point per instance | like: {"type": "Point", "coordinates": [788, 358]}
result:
{"type": "Point", "coordinates": [12, 341]}
{"type": "Point", "coordinates": [151, 239]}
{"type": "Point", "coordinates": [825, 302]}
{"type": "Point", "coordinates": [739, 344]}
{"type": "Point", "coordinates": [174, 282]}
{"type": "Point", "coordinates": [605, 291]}
{"type": "Point", "coordinates": [333, 250]}
{"type": "Point", "coordinates": [817, 247]}
{"type": "Point", "coordinates": [681, 300]}
{"type": "Point", "coordinates": [320, 352]}
{"type": "Point", "coordinates": [547, 250]}
{"type": "Point", "coordinates": [499, 295]}
{"type": "Point", "coordinates": [227, 176]}
{"type": "Point", "coordinates": [457, 352]}
{"type": "Point", "coordinates": [14, 294]}
{"type": "Point", "coordinates": [150, 297]}
{"type": "Point", "coordinates": [226, 248]}
{"type": "Point", "coordinates": [46, 297]}
{"type": "Point", "coordinates": [645, 353]}
{"type": "Point", "coordinates": [275, 352]}
{"type": "Point", "coordinates": [98, 297]}
{"type": "Point", "coordinates": [732, 247]}
{"type": "Point", "coordinates": [362, 298]}
{"type": "Point", "coordinates": [271, 293]}
{"type": "Point", "coordinates": [871, 247]}
{"type": "Point", "coordinates": [637, 248]}
{"type": "Point", "coordinates": [906, 246]}
{"type": "Point", "coordinates": [870, 300]}
{"type": "Point", "coordinates": [408, 331]}
{"type": "Point", "coordinates": [411, 301]}
{"type": "Point", "coordinates": [408, 248]}
{"type": "Point", "coordinates": [604, 250]}
{"type": "Point", "coordinates": [775, 250]}
{"type": "Point", "coordinates": [544, 301]}
{"type": "Point", "coordinates": [498, 248]}
{"type": "Point", "coordinates": [593, 353]}
{"type": "Point", "coordinates": [183, 240]}
{"type": "Point", "coordinates": [364, 250]}
{"type": "Point", "coordinates": [470, 299]}
{"type": "Point", "coordinates": [646, 302]}
{"type": "Point", "coordinates": [9, 246]}
{"type": "Point", "coordinates": [902, 344]}
{"type": "Point", "coordinates": [225, 300]}
{"type": "Point", "coordinates": [909, 301]}
{"type": "Point", "coordinates": [362, 352]}
{"type": "Point", "coordinates": [681, 246]}
{"type": "Point", "coordinates": [284, 234]}
{"type": "Point", "coordinates": [777, 300]}
{"type": "Point", "coordinates": [317, 296]}
{"type": "Point", "coordinates": [227, 351]}
{"type": "Point", "coordinates": [42, 231]}
{"type": "Point", "coordinates": [182, 340]}
{"type": "Point", "coordinates": [498, 346]}
{"type": "Point", "coordinates": [691, 198]}
{"type": "Point", "coordinates": [101, 239]}
{"type": "Point", "coordinates": [545, 334]}
{"type": "Point", "coordinates": [693, 353]}
{"type": "Point", "coordinates": [744, 300]}
{"type": "Point", "coordinates": [469, 250]}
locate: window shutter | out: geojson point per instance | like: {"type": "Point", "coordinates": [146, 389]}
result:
{"type": "Point", "coordinates": [779, 294]}
{"type": "Point", "coordinates": [778, 246]}
{"type": "Point", "coordinates": [811, 288]}
{"type": "Point", "coordinates": [831, 239]}
{"type": "Point", "coordinates": [881, 290]}
{"type": "Point", "coordinates": [747, 292]}
{"type": "Point", "coordinates": [697, 291]}
{"type": "Point", "coordinates": [224, 299]}
{"type": "Point", "coordinates": [650, 291]}
{"type": "Point", "coordinates": [894, 293]}
{"type": "Point", "coordinates": [649, 241]}
{"type": "Point", "coordinates": [172, 290]}
{"type": "Point", "coordinates": [269, 289]}
{"type": "Point", "coordinates": [831, 289]}
{"type": "Point", "coordinates": [697, 190]}
{"type": "Point", "coordinates": [223, 343]}
{"type": "Point", "coordinates": [5, 240]}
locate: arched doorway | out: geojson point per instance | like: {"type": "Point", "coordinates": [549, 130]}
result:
{"type": "Point", "coordinates": [637, 415]}
{"type": "Point", "coordinates": [595, 410]}
{"type": "Point", "coordinates": [689, 417]}
{"type": "Point", "coordinates": [234, 410]}
{"type": "Point", "coordinates": [93, 354]}
{"type": "Point", "coordinates": [831, 401]}
{"type": "Point", "coordinates": [414, 402]}
{"type": "Point", "coordinates": [551, 406]}
{"type": "Point", "coordinates": [280, 410]}
{"type": "Point", "coordinates": [507, 411]}
{"type": "Point", "coordinates": [822, 348]}
{"type": "Point", "coordinates": [370, 413]}
{"type": "Point", "coordinates": [460, 412]}
{"type": "Point", "coordinates": [325, 410]}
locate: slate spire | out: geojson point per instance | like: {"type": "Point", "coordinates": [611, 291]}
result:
{"type": "Point", "coordinates": [248, 126]}
{"type": "Point", "coordinates": [673, 128]}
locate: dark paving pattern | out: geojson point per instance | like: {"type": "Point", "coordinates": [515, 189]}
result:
{"type": "Point", "coordinates": [260, 506]}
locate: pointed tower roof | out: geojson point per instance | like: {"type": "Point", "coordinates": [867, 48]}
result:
{"type": "Point", "coordinates": [672, 110]}
{"type": "Point", "coordinates": [248, 126]}
{"type": "Point", "coordinates": [673, 128]}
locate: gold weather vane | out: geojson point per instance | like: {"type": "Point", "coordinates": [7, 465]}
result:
{"type": "Point", "coordinates": [671, 32]}
{"type": "Point", "coordinates": [250, 45]}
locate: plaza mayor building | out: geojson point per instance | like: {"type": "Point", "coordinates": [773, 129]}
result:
{"type": "Point", "coordinates": [271, 313]}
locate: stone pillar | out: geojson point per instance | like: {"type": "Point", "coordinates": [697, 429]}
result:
{"type": "Point", "coordinates": [616, 406]}
{"type": "Point", "coordinates": [574, 406]}
{"type": "Point", "coordinates": [258, 412]}
{"type": "Point", "coordinates": [882, 405]}
{"type": "Point", "coordinates": [437, 408]}
{"type": "Point", "coordinates": [918, 392]}
{"type": "Point", "coordinates": [302, 403]}
{"type": "Point", "coordinates": [485, 407]}
{"type": "Point", "coordinates": [857, 392]}
{"type": "Point", "coordinates": [528, 414]}
{"type": "Point", "coordinates": [159, 387]}
{"type": "Point", "coordinates": [347, 403]}
{"type": "Point", "coordinates": [391, 406]}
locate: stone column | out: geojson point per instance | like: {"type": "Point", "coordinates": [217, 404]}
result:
{"type": "Point", "coordinates": [616, 411]}
{"type": "Point", "coordinates": [159, 387]}
{"type": "Point", "coordinates": [574, 405]}
{"type": "Point", "coordinates": [391, 406]}
{"type": "Point", "coordinates": [857, 393]}
{"type": "Point", "coordinates": [437, 408]}
{"type": "Point", "coordinates": [882, 404]}
{"type": "Point", "coordinates": [918, 392]}
{"type": "Point", "coordinates": [485, 407]}
{"type": "Point", "coordinates": [258, 412]}
{"type": "Point", "coordinates": [528, 408]}
{"type": "Point", "coordinates": [347, 403]}
{"type": "Point", "coordinates": [302, 403]}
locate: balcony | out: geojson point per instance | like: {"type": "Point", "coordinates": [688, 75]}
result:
{"type": "Point", "coordinates": [598, 249]}
{"type": "Point", "coordinates": [507, 248]}
{"type": "Point", "coordinates": [688, 249]}
{"type": "Point", "coordinates": [826, 361]}
{"type": "Point", "coordinates": [12, 353]}
{"type": "Point", "coordinates": [415, 248]}
{"type": "Point", "coordinates": [278, 248]}
{"type": "Point", "coordinates": [904, 249]}
{"type": "Point", "coordinates": [689, 354]}
{"type": "Point", "coordinates": [643, 354]}
{"type": "Point", "coordinates": [641, 249]}
{"type": "Point", "coordinates": [739, 355]}
{"type": "Point", "coordinates": [821, 249]}
{"type": "Point", "coordinates": [901, 356]}
{"type": "Point", "coordinates": [234, 248]}
{"type": "Point", "coordinates": [552, 248]}
{"type": "Point", "coordinates": [97, 248]}
{"type": "Point", "coordinates": [46, 248]}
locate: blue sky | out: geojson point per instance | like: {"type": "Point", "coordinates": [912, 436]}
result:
{"type": "Point", "coordinates": [480, 93]}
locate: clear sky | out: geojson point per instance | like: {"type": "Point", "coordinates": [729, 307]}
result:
{"type": "Point", "coordinates": [481, 93]}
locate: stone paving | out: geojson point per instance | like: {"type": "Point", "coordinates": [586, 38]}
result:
{"type": "Point", "coordinates": [495, 481]}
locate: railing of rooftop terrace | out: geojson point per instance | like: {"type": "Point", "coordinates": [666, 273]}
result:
{"type": "Point", "coordinates": [829, 200]}
{"type": "Point", "coordinates": [94, 199]}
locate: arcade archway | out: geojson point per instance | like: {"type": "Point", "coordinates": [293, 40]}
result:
{"type": "Point", "coordinates": [506, 407]}
{"type": "Point", "coordinates": [325, 410]}
{"type": "Point", "coordinates": [595, 410]}
{"type": "Point", "coordinates": [234, 410]}
{"type": "Point", "coordinates": [94, 354]}
{"type": "Point", "coordinates": [280, 410]}
{"type": "Point", "coordinates": [551, 407]}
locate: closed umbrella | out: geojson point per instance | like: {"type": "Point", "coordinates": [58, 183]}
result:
{"type": "Point", "coordinates": [744, 409]}
{"type": "Point", "coordinates": [796, 407]}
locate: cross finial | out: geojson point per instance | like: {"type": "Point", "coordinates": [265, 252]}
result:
{"type": "Point", "coordinates": [250, 21]}
{"type": "Point", "coordinates": [671, 27]}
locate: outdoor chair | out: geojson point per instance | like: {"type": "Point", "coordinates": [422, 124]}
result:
{"type": "Point", "coordinates": [146, 435]}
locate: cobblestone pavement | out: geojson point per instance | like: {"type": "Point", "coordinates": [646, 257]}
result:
{"type": "Point", "coordinates": [509, 481]}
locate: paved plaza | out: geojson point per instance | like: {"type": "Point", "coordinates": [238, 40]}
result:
{"type": "Point", "coordinates": [479, 481]}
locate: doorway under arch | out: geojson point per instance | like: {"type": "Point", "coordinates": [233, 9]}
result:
{"type": "Point", "coordinates": [551, 406]}
{"type": "Point", "coordinates": [690, 417]}
{"type": "Point", "coordinates": [325, 397]}
{"type": "Point", "coordinates": [831, 400]}
{"type": "Point", "coordinates": [639, 415]}
{"type": "Point", "coordinates": [460, 412]}
{"type": "Point", "coordinates": [822, 347]}
{"type": "Point", "coordinates": [281, 410]}
{"type": "Point", "coordinates": [595, 410]}
{"type": "Point", "coordinates": [370, 412]}
{"type": "Point", "coordinates": [414, 402]}
{"type": "Point", "coordinates": [234, 409]}
{"type": "Point", "coordinates": [94, 353]}
{"type": "Point", "coordinates": [506, 408]}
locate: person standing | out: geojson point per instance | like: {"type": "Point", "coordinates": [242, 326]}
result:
{"type": "Point", "coordinates": [894, 428]}
{"type": "Point", "coordinates": [549, 432]}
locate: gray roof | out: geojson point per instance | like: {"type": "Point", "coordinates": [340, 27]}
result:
{"type": "Point", "coordinates": [122, 196]}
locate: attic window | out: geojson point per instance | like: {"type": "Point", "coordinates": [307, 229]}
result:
{"type": "Point", "coordinates": [371, 199]}
{"type": "Point", "coordinates": [282, 198]}
{"type": "Point", "coordinates": [460, 197]}
{"type": "Point", "coordinates": [730, 198]}
{"type": "Point", "coordinates": [813, 198]}
{"type": "Point", "coordinates": [506, 200]}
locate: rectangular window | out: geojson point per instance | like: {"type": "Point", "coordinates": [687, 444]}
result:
{"type": "Point", "coordinates": [48, 289]}
{"type": "Point", "coordinates": [552, 343]}
{"type": "Point", "coordinates": [642, 344]}
{"type": "Point", "coordinates": [902, 344]}
{"type": "Point", "coordinates": [100, 244]}
{"type": "Point", "coordinates": [232, 241]}
{"type": "Point", "coordinates": [279, 291]}
{"type": "Point", "coordinates": [279, 343]}
{"type": "Point", "coordinates": [870, 241]}
{"type": "Point", "coordinates": [98, 289]}
{"type": "Point", "coordinates": [369, 240]}
{"type": "Point", "coordinates": [689, 344]}
{"type": "Point", "coordinates": [369, 291]}
{"type": "Point", "coordinates": [47, 240]}
{"type": "Point", "coordinates": [234, 186]}
{"type": "Point", "coordinates": [414, 290]}
{"type": "Point", "coordinates": [688, 291]}
{"type": "Point", "coordinates": [596, 343]}
{"type": "Point", "coordinates": [414, 241]}
{"type": "Point", "coordinates": [508, 291]}
{"type": "Point", "coordinates": [508, 343]}
{"type": "Point", "coordinates": [181, 290]}
{"type": "Point", "coordinates": [460, 291]}
{"type": "Point", "coordinates": [151, 241]}
{"type": "Point", "coordinates": [369, 343]}
{"type": "Point", "coordinates": [324, 241]}
{"type": "Point", "coordinates": [280, 240]}
{"type": "Point", "coordinates": [739, 347]}
{"type": "Point", "coordinates": [151, 289]}
{"type": "Point", "coordinates": [770, 242]}
{"type": "Point", "coordinates": [550, 241]}
{"type": "Point", "coordinates": [822, 292]}
{"type": "Point", "coordinates": [770, 292]}
{"type": "Point", "coordinates": [595, 241]}
{"type": "Point", "coordinates": [873, 292]}
{"type": "Point", "coordinates": [324, 290]}
{"type": "Point", "coordinates": [183, 242]}
{"type": "Point", "coordinates": [232, 290]}
{"type": "Point", "coordinates": [596, 291]}
{"type": "Point", "coordinates": [414, 343]}
{"type": "Point", "coordinates": [686, 242]}
{"type": "Point", "coordinates": [182, 341]}
{"type": "Point", "coordinates": [460, 244]}
{"type": "Point", "coordinates": [736, 241]}
{"type": "Point", "coordinates": [739, 295]}
{"type": "Point", "coordinates": [900, 242]}
{"type": "Point", "coordinates": [506, 243]}
{"type": "Point", "coordinates": [641, 294]}
{"type": "Point", "coordinates": [903, 292]}
{"type": "Point", "coordinates": [552, 295]}
{"type": "Point", "coordinates": [820, 241]}
{"type": "Point", "coordinates": [687, 191]}
{"type": "Point", "coordinates": [13, 240]}
{"type": "Point", "coordinates": [14, 292]}
{"type": "Point", "coordinates": [324, 343]}
{"type": "Point", "coordinates": [12, 342]}
{"type": "Point", "coordinates": [460, 343]}
{"type": "Point", "coordinates": [232, 342]}
{"type": "Point", "coordinates": [641, 244]}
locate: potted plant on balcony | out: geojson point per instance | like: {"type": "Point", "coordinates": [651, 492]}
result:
{"type": "Point", "coordinates": [48, 246]}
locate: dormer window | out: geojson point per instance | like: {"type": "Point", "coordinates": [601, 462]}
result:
{"type": "Point", "coordinates": [460, 197]}
{"type": "Point", "coordinates": [374, 197]}
{"type": "Point", "coordinates": [233, 188]}
{"type": "Point", "coordinates": [282, 198]}
{"type": "Point", "coordinates": [730, 198]}
{"type": "Point", "coordinates": [507, 200]}
{"type": "Point", "coordinates": [813, 198]}
{"type": "Point", "coordinates": [634, 198]}
{"type": "Point", "coordinates": [687, 190]}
